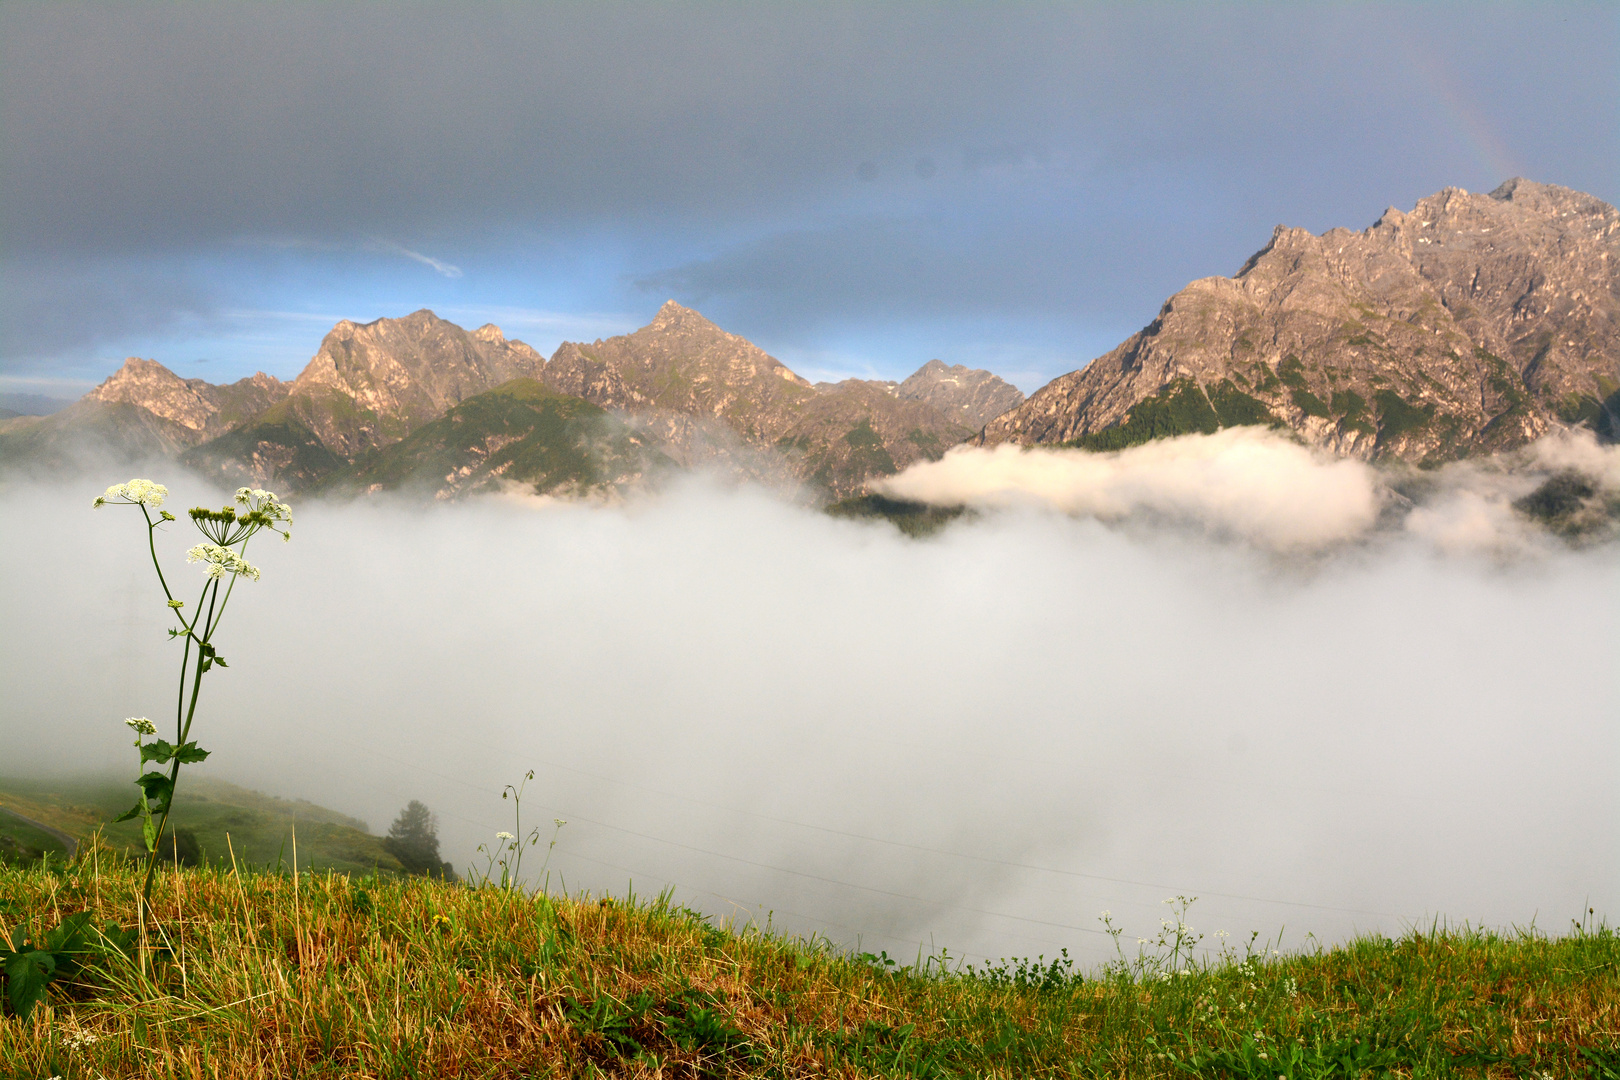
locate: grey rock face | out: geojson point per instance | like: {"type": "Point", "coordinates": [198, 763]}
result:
{"type": "Point", "coordinates": [200, 409]}
{"type": "Point", "coordinates": [834, 436]}
{"type": "Point", "coordinates": [970, 396]}
{"type": "Point", "coordinates": [1472, 324]}
{"type": "Point", "coordinates": [372, 384]}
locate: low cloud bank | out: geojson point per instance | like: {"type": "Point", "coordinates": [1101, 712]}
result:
{"type": "Point", "coordinates": [1258, 486]}
{"type": "Point", "coordinates": [978, 741]}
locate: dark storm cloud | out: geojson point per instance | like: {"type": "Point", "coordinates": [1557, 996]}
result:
{"type": "Point", "coordinates": [789, 167]}
{"type": "Point", "coordinates": [871, 267]}
{"type": "Point", "coordinates": [138, 125]}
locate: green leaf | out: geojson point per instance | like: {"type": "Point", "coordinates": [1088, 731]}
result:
{"type": "Point", "coordinates": [132, 811]}
{"type": "Point", "coordinates": [220, 660]}
{"type": "Point", "coordinates": [158, 750]}
{"type": "Point", "coordinates": [190, 753]}
{"type": "Point", "coordinates": [158, 789]}
{"type": "Point", "coordinates": [149, 833]}
{"type": "Point", "coordinates": [26, 977]}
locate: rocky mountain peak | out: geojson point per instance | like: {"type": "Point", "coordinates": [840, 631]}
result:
{"type": "Point", "coordinates": [1468, 324]}
{"type": "Point", "coordinates": [969, 396]}
{"type": "Point", "coordinates": [153, 387]}
{"type": "Point", "coordinates": [371, 383]}
{"type": "Point", "coordinates": [198, 407]}
{"type": "Point", "coordinates": [673, 316]}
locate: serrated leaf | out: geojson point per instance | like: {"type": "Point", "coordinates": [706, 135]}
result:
{"type": "Point", "coordinates": [26, 977]}
{"type": "Point", "coordinates": [149, 833]}
{"type": "Point", "coordinates": [132, 811]}
{"type": "Point", "coordinates": [220, 660]}
{"type": "Point", "coordinates": [190, 753]}
{"type": "Point", "coordinates": [158, 750]}
{"type": "Point", "coordinates": [158, 789]}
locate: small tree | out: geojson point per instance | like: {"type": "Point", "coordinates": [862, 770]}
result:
{"type": "Point", "coordinates": [413, 839]}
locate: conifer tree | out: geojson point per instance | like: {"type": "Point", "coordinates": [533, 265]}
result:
{"type": "Point", "coordinates": [413, 839]}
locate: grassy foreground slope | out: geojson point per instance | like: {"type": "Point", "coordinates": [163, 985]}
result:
{"type": "Point", "coordinates": [330, 975]}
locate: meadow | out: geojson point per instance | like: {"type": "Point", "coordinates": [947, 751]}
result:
{"type": "Point", "coordinates": [297, 974]}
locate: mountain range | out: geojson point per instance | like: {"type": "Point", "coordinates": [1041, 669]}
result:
{"type": "Point", "coordinates": [420, 403]}
{"type": "Point", "coordinates": [1473, 324]}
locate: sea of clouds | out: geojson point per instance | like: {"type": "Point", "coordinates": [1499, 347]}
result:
{"type": "Point", "coordinates": [1321, 697]}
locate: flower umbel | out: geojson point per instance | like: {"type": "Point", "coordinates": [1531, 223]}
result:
{"type": "Point", "coordinates": [504, 835]}
{"type": "Point", "coordinates": [221, 561]}
{"type": "Point", "coordinates": [143, 492]}
{"type": "Point", "coordinates": [141, 725]}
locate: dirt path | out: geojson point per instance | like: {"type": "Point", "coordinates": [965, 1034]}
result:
{"type": "Point", "coordinates": [68, 841]}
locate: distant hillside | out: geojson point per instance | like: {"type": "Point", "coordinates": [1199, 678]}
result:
{"type": "Point", "coordinates": [260, 827]}
{"type": "Point", "coordinates": [1470, 325]}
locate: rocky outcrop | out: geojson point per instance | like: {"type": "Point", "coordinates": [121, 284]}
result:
{"type": "Point", "coordinates": [683, 363]}
{"type": "Point", "coordinates": [1472, 324]}
{"type": "Point", "coordinates": [520, 436]}
{"type": "Point", "coordinates": [834, 436]}
{"type": "Point", "coordinates": [856, 431]}
{"type": "Point", "coordinates": [969, 396]}
{"type": "Point", "coordinates": [371, 384]}
{"type": "Point", "coordinates": [198, 408]}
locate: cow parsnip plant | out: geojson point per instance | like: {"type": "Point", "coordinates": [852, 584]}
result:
{"type": "Point", "coordinates": [222, 555]}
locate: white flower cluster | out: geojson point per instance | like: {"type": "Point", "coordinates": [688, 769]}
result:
{"type": "Point", "coordinates": [221, 561]}
{"type": "Point", "coordinates": [504, 835]}
{"type": "Point", "coordinates": [141, 725]}
{"type": "Point", "coordinates": [265, 502]}
{"type": "Point", "coordinates": [135, 491]}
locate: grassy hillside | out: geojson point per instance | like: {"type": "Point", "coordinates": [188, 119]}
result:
{"type": "Point", "coordinates": [260, 827]}
{"type": "Point", "coordinates": [332, 975]}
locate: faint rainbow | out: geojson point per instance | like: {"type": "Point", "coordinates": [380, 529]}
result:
{"type": "Point", "coordinates": [1460, 115]}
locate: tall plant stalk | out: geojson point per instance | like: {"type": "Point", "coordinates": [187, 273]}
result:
{"type": "Point", "coordinates": [222, 555]}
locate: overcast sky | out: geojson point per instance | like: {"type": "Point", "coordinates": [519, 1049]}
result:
{"type": "Point", "coordinates": [856, 188]}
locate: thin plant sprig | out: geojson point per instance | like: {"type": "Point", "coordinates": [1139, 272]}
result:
{"type": "Point", "coordinates": [227, 532]}
{"type": "Point", "coordinates": [509, 847]}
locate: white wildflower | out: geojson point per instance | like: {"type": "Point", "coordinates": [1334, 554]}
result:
{"type": "Point", "coordinates": [504, 835]}
{"type": "Point", "coordinates": [141, 725]}
{"type": "Point", "coordinates": [265, 502]}
{"type": "Point", "coordinates": [221, 561]}
{"type": "Point", "coordinates": [135, 491]}
{"type": "Point", "coordinates": [559, 822]}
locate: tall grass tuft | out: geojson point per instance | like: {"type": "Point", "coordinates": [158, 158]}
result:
{"type": "Point", "coordinates": [325, 975]}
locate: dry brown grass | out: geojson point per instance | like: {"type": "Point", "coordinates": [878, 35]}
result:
{"type": "Point", "coordinates": [264, 976]}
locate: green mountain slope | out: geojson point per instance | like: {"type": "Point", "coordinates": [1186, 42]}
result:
{"type": "Point", "coordinates": [521, 432]}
